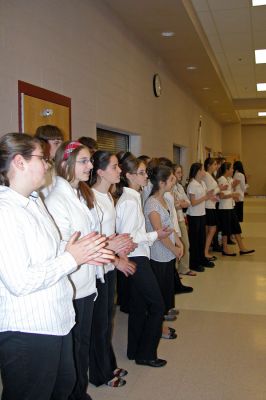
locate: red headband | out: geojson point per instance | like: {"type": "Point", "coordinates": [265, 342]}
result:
{"type": "Point", "coordinates": [69, 148]}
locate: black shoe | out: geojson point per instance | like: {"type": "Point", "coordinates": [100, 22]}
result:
{"type": "Point", "coordinates": [158, 362]}
{"type": "Point", "coordinates": [183, 289]}
{"type": "Point", "coordinates": [199, 268]}
{"type": "Point", "coordinates": [209, 264]}
{"type": "Point", "coordinates": [243, 252]}
{"type": "Point", "coordinates": [213, 258]}
{"type": "Point", "coordinates": [228, 254]}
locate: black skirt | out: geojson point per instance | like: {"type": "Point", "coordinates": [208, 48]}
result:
{"type": "Point", "coordinates": [211, 217]}
{"type": "Point", "coordinates": [239, 209]}
{"type": "Point", "coordinates": [228, 222]}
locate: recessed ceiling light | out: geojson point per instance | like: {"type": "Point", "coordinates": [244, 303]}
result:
{"type": "Point", "coordinates": [258, 2]}
{"type": "Point", "coordinates": [262, 113]}
{"type": "Point", "coordinates": [260, 56]}
{"type": "Point", "coordinates": [261, 87]}
{"type": "Point", "coordinates": [191, 67]}
{"type": "Point", "coordinates": [168, 34]}
{"type": "Point", "coordinates": [206, 88]}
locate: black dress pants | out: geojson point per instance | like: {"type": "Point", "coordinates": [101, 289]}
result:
{"type": "Point", "coordinates": [165, 275]}
{"type": "Point", "coordinates": [197, 240]}
{"type": "Point", "coordinates": [36, 367]}
{"type": "Point", "coordinates": [146, 310]}
{"type": "Point", "coordinates": [81, 343]}
{"type": "Point", "coordinates": [102, 361]}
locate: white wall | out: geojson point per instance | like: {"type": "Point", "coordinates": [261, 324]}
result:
{"type": "Point", "coordinates": [81, 50]}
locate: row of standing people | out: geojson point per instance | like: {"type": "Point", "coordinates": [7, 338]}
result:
{"type": "Point", "coordinates": [50, 268]}
{"type": "Point", "coordinates": [77, 207]}
{"type": "Point", "coordinates": [216, 205]}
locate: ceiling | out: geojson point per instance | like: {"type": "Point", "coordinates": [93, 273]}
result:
{"type": "Point", "coordinates": [218, 37]}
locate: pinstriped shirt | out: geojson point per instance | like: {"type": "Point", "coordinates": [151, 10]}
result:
{"type": "Point", "coordinates": [35, 293]}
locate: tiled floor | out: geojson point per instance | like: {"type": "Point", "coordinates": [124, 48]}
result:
{"type": "Point", "coordinates": [220, 353]}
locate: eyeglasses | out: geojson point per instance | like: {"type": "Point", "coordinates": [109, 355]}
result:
{"type": "Point", "coordinates": [84, 161]}
{"type": "Point", "coordinates": [142, 173]}
{"type": "Point", "coordinates": [43, 158]}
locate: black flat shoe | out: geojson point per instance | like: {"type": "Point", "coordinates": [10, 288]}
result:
{"type": "Point", "coordinates": [243, 252]}
{"type": "Point", "coordinates": [213, 258]}
{"type": "Point", "coordinates": [157, 363]}
{"type": "Point", "coordinates": [228, 254]}
{"type": "Point", "coordinates": [184, 289]}
{"type": "Point", "coordinates": [209, 264]}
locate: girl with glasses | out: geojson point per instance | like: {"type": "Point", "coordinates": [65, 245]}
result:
{"type": "Point", "coordinates": [37, 313]}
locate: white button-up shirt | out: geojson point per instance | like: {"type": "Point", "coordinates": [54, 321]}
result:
{"type": "Point", "coordinates": [35, 293]}
{"type": "Point", "coordinates": [130, 219]}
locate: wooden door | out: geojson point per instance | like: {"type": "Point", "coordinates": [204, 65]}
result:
{"type": "Point", "coordinates": [38, 106]}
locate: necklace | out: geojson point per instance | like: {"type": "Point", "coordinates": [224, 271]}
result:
{"type": "Point", "coordinates": [99, 213]}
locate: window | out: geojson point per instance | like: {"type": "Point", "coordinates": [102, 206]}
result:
{"type": "Point", "coordinates": [112, 141]}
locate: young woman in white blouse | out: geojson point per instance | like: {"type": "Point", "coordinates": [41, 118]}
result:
{"type": "Point", "coordinates": [241, 187]}
{"type": "Point", "coordinates": [146, 306]}
{"type": "Point", "coordinates": [37, 314]}
{"type": "Point", "coordinates": [159, 212]}
{"type": "Point", "coordinates": [181, 202]}
{"type": "Point", "coordinates": [197, 193]}
{"type": "Point", "coordinates": [71, 203]}
{"type": "Point", "coordinates": [210, 166]}
{"type": "Point", "coordinates": [228, 220]}
{"type": "Point", "coordinates": [103, 367]}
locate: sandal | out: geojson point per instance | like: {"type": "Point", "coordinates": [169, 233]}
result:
{"type": "Point", "coordinates": [173, 311]}
{"type": "Point", "coordinates": [169, 317]}
{"type": "Point", "coordinates": [171, 330]}
{"type": "Point", "coordinates": [116, 382]}
{"type": "Point", "coordinates": [170, 335]}
{"type": "Point", "coordinates": [120, 372]}
{"type": "Point", "coordinates": [190, 273]}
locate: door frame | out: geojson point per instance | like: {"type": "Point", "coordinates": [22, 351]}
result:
{"type": "Point", "coordinates": [42, 94]}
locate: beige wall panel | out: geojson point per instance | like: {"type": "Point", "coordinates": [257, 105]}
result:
{"type": "Point", "coordinates": [232, 140]}
{"type": "Point", "coordinates": [254, 157]}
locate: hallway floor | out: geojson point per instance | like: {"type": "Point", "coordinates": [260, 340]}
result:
{"type": "Point", "coordinates": [220, 352]}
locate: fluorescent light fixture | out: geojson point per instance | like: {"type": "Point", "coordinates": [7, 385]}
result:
{"type": "Point", "coordinates": [261, 87]}
{"type": "Point", "coordinates": [191, 67]}
{"type": "Point", "coordinates": [262, 113]}
{"type": "Point", "coordinates": [258, 2]}
{"type": "Point", "coordinates": [168, 34]}
{"type": "Point", "coordinates": [260, 56]}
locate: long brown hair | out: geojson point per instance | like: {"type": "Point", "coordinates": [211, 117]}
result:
{"type": "Point", "coordinates": [129, 165]}
{"type": "Point", "coordinates": [66, 169]}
